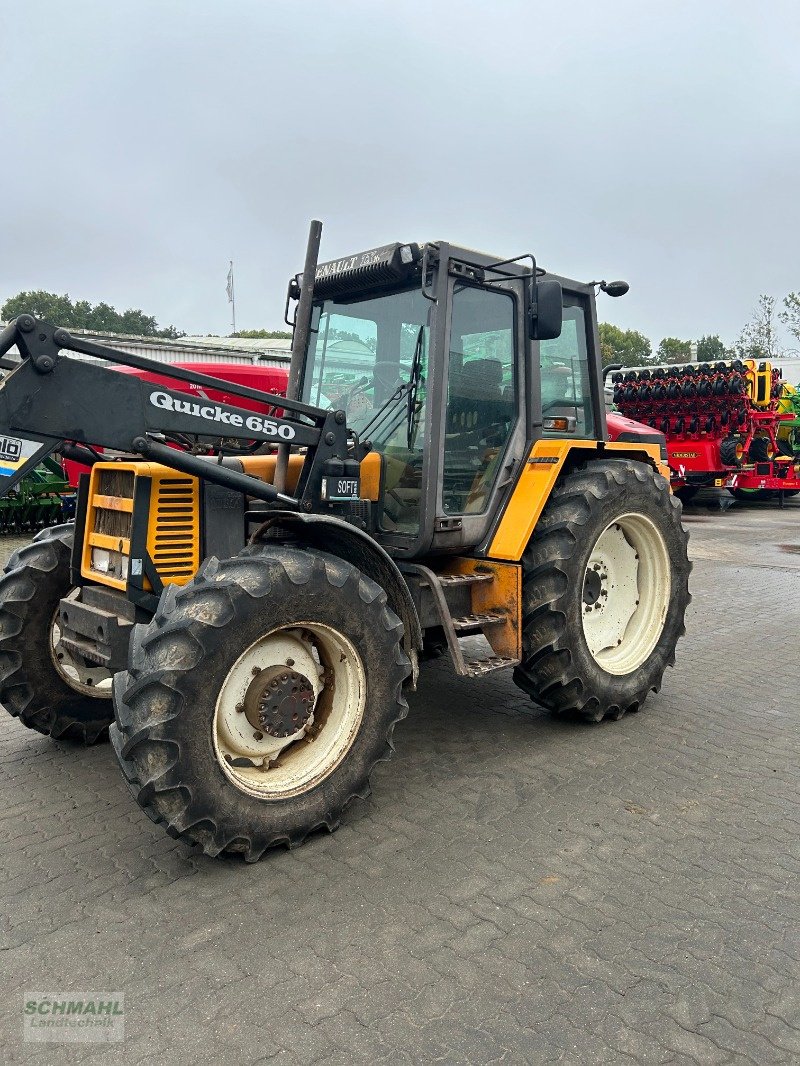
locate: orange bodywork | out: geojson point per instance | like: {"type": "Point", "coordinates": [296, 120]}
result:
{"type": "Point", "coordinates": [263, 467]}
{"type": "Point", "coordinates": [500, 596]}
{"type": "Point", "coordinates": [542, 469]}
{"type": "Point", "coordinates": [173, 533]}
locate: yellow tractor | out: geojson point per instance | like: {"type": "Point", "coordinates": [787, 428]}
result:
{"type": "Point", "coordinates": [247, 592]}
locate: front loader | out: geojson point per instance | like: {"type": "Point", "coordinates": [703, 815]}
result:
{"type": "Point", "coordinates": [244, 598]}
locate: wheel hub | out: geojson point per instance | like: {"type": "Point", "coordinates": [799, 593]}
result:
{"type": "Point", "coordinates": [279, 701]}
{"type": "Point", "coordinates": [592, 587]}
{"type": "Point", "coordinates": [626, 591]}
{"type": "Point", "coordinates": [273, 742]}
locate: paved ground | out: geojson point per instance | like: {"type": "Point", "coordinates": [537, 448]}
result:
{"type": "Point", "coordinates": [518, 889]}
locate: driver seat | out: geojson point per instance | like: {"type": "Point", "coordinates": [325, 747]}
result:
{"type": "Point", "coordinates": [475, 404]}
{"type": "Point", "coordinates": [475, 390]}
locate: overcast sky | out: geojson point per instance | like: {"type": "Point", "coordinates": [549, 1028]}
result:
{"type": "Point", "coordinates": [147, 143]}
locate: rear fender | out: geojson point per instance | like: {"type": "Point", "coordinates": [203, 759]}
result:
{"type": "Point", "coordinates": [548, 460]}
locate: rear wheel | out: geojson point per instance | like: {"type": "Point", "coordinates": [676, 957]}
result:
{"type": "Point", "coordinates": [42, 682]}
{"type": "Point", "coordinates": [731, 452]}
{"type": "Point", "coordinates": [605, 590]}
{"type": "Point", "coordinates": [761, 449]}
{"type": "Point", "coordinates": [752, 495]}
{"type": "Point", "coordinates": [259, 699]}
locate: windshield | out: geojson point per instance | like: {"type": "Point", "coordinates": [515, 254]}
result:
{"type": "Point", "coordinates": [369, 357]}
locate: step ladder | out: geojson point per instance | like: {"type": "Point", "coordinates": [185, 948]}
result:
{"type": "Point", "coordinates": [456, 596]}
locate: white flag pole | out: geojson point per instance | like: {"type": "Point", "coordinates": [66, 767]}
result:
{"type": "Point", "coordinates": [231, 296]}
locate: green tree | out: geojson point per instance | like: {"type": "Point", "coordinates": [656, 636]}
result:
{"type": "Point", "coordinates": [263, 334]}
{"type": "Point", "coordinates": [711, 349]}
{"type": "Point", "coordinates": [80, 314]}
{"type": "Point", "coordinates": [626, 346]}
{"type": "Point", "coordinates": [672, 350]}
{"type": "Point", "coordinates": [759, 336]}
{"type": "Point", "coordinates": [42, 305]}
{"type": "Point", "coordinates": [790, 315]}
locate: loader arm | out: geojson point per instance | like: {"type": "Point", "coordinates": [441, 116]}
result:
{"type": "Point", "coordinates": [48, 400]}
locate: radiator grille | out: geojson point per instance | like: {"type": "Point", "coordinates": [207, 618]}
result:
{"type": "Point", "coordinates": [172, 534]}
{"type": "Point", "coordinates": [116, 483]}
{"type": "Point", "coordinates": [172, 527]}
{"type": "Point", "coordinates": [110, 521]}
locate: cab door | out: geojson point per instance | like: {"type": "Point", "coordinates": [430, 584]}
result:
{"type": "Point", "coordinates": [483, 425]}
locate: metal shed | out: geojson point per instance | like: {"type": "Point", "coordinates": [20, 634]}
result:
{"type": "Point", "coordinates": [194, 349]}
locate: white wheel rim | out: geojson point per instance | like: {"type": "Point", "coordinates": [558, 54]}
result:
{"type": "Point", "coordinates": [626, 593]}
{"type": "Point", "coordinates": [89, 680]}
{"type": "Point", "coordinates": [275, 767]}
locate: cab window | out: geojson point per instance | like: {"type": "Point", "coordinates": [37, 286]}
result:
{"type": "Point", "coordinates": [566, 380]}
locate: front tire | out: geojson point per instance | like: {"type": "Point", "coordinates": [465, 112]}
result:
{"type": "Point", "coordinates": [259, 699]}
{"type": "Point", "coordinates": [605, 591]}
{"type": "Point", "coordinates": [39, 683]}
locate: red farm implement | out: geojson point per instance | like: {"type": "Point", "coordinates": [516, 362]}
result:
{"type": "Point", "coordinates": [722, 424]}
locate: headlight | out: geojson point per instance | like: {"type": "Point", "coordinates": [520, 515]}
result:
{"type": "Point", "coordinates": [101, 560]}
{"type": "Point", "coordinates": [114, 564]}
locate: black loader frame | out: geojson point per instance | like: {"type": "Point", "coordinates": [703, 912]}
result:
{"type": "Point", "coordinates": [74, 400]}
{"type": "Point", "coordinates": [82, 403]}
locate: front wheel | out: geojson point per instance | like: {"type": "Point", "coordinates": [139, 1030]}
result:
{"type": "Point", "coordinates": [605, 591]}
{"type": "Point", "coordinates": [259, 698]}
{"type": "Point", "coordinates": [43, 682]}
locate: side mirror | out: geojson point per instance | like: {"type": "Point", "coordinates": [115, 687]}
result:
{"type": "Point", "coordinates": [546, 310]}
{"type": "Point", "coordinates": [614, 288]}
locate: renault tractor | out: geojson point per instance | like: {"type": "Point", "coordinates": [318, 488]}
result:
{"type": "Point", "coordinates": [249, 587]}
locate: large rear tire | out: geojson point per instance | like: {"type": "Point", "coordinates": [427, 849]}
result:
{"type": "Point", "coordinates": [259, 698]}
{"type": "Point", "coordinates": [40, 683]}
{"type": "Point", "coordinates": [605, 591]}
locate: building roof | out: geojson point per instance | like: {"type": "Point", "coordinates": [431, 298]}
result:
{"type": "Point", "coordinates": [193, 349]}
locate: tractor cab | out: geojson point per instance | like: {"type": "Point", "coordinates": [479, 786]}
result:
{"type": "Point", "coordinates": [444, 364]}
